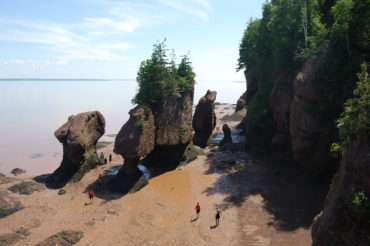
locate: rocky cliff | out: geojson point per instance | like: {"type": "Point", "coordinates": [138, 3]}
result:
{"type": "Point", "coordinates": [345, 219]}
{"type": "Point", "coordinates": [79, 136]}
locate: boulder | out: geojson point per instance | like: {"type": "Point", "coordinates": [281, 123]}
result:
{"type": "Point", "coordinates": [241, 103]}
{"type": "Point", "coordinates": [204, 120]}
{"type": "Point", "coordinates": [227, 136]}
{"type": "Point", "coordinates": [134, 141]}
{"type": "Point", "coordinates": [345, 219]}
{"type": "Point", "coordinates": [79, 136]}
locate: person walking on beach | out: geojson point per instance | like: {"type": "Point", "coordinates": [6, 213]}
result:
{"type": "Point", "coordinates": [91, 196]}
{"type": "Point", "coordinates": [110, 157]}
{"type": "Point", "coordinates": [218, 215]}
{"type": "Point", "coordinates": [197, 209]}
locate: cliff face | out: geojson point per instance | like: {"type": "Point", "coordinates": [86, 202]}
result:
{"type": "Point", "coordinates": [280, 102]}
{"type": "Point", "coordinates": [305, 102]}
{"type": "Point", "coordinates": [345, 219]}
{"type": "Point", "coordinates": [311, 125]}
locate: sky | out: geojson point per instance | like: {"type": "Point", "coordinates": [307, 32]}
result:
{"type": "Point", "coordinates": [108, 39]}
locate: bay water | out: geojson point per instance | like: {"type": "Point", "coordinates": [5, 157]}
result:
{"type": "Point", "coordinates": [31, 110]}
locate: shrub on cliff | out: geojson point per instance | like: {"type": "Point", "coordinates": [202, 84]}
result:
{"type": "Point", "coordinates": [160, 79]}
{"type": "Point", "coordinates": [354, 122]}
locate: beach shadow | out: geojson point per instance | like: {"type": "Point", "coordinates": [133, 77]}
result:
{"type": "Point", "coordinates": [193, 220]}
{"type": "Point", "coordinates": [287, 193]}
{"type": "Point", "coordinates": [213, 227]}
{"type": "Point", "coordinates": [101, 190]}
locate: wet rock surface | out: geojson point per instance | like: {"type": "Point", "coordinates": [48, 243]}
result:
{"type": "Point", "coordinates": [79, 136]}
{"type": "Point", "coordinates": [8, 204]}
{"type": "Point", "coordinates": [17, 171]}
{"type": "Point", "coordinates": [26, 188]}
{"type": "Point", "coordinates": [204, 120]}
{"type": "Point", "coordinates": [227, 136]}
{"type": "Point", "coordinates": [12, 238]}
{"type": "Point", "coordinates": [63, 238]}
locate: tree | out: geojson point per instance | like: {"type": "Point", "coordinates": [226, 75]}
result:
{"type": "Point", "coordinates": [159, 79]}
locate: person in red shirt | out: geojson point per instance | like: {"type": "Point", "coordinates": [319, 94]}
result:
{"type": "Point", "coordinates": [91, 195]}
{"type": "Point", "coordinates": [197, 209]}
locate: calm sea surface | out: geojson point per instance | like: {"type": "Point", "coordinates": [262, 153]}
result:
{"type": "Point", "coordinates": [32, 110]}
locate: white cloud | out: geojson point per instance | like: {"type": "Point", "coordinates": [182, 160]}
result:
{"type": "Point", "coordinates": [16, 61]}
{"type": "Point", "coordinates": [98, 37]}
{"type": "Point", "coordinates": [127, 26]}
{"type": "Point", "coordinates": [184, 6]}
{"type": "Point", "coordinates": [62, 62]}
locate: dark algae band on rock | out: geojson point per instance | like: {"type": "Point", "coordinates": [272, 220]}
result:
{"type": "Point", "coordinates": [64, 238]}
{"type": "Point", "coordinates": [79, 136]}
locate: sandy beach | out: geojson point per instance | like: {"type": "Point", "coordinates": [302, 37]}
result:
{"type": "Point", "coordinates": [262, 204]}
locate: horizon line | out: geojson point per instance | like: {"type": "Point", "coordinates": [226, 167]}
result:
{"type": "Point", "coordinates": [104, 79]}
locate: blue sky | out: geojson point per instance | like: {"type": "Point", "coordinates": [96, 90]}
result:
{"type": "Point", "coordinates": [109, 38]}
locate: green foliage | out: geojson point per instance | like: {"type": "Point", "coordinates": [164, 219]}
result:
{"type": "Point", "coordinates": [335, 149]}
{"type": "Point", "coordinates": [187, 127]}
{"type": "Point", "coordinates": [159, 79]}
{"type": "Point", "coordinates": [300, 78]}
{"type": "Point", "coordinates": [140, 122]}
{"type": "Point", "coordinates": [292, 30]}
{"type": "Point", "coordinates": [354, 122]}
{"type": "Point", "coordinates": [359, 206]}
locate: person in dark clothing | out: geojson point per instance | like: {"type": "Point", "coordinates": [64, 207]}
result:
{"type": "Point", "coordinates": [110, 157]}
{"type": "Point", "coordinates": [218, 215]}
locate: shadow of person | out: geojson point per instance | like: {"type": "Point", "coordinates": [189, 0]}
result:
{"type": "Point", "coordinates": [213, 227]}
{"type": "Point", "coordinates": [193, 220]}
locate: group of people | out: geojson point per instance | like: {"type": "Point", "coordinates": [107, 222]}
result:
{"type": "Point", "coordinates": [217, 216]}
{"type": "Point", "coordinates": [105, 159]}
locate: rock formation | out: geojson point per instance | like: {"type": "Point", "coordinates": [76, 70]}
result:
{"type": "Point", "coordinates": [280, 102]}
{"type": "Point", "coordinates": [173, 131]}
{"type": "Point", "coordinates": [241, 103]}
{"type": "Point", "coordinates": [134, 141]}
{"type": "Point", "coordinates": [345, 219]}
{"type": "Point", "coordinates": [79, 136]}
{"type": "Point", "coordinates": [204, 120]}
{"type": "Point", "coordinates": [227, 136]}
